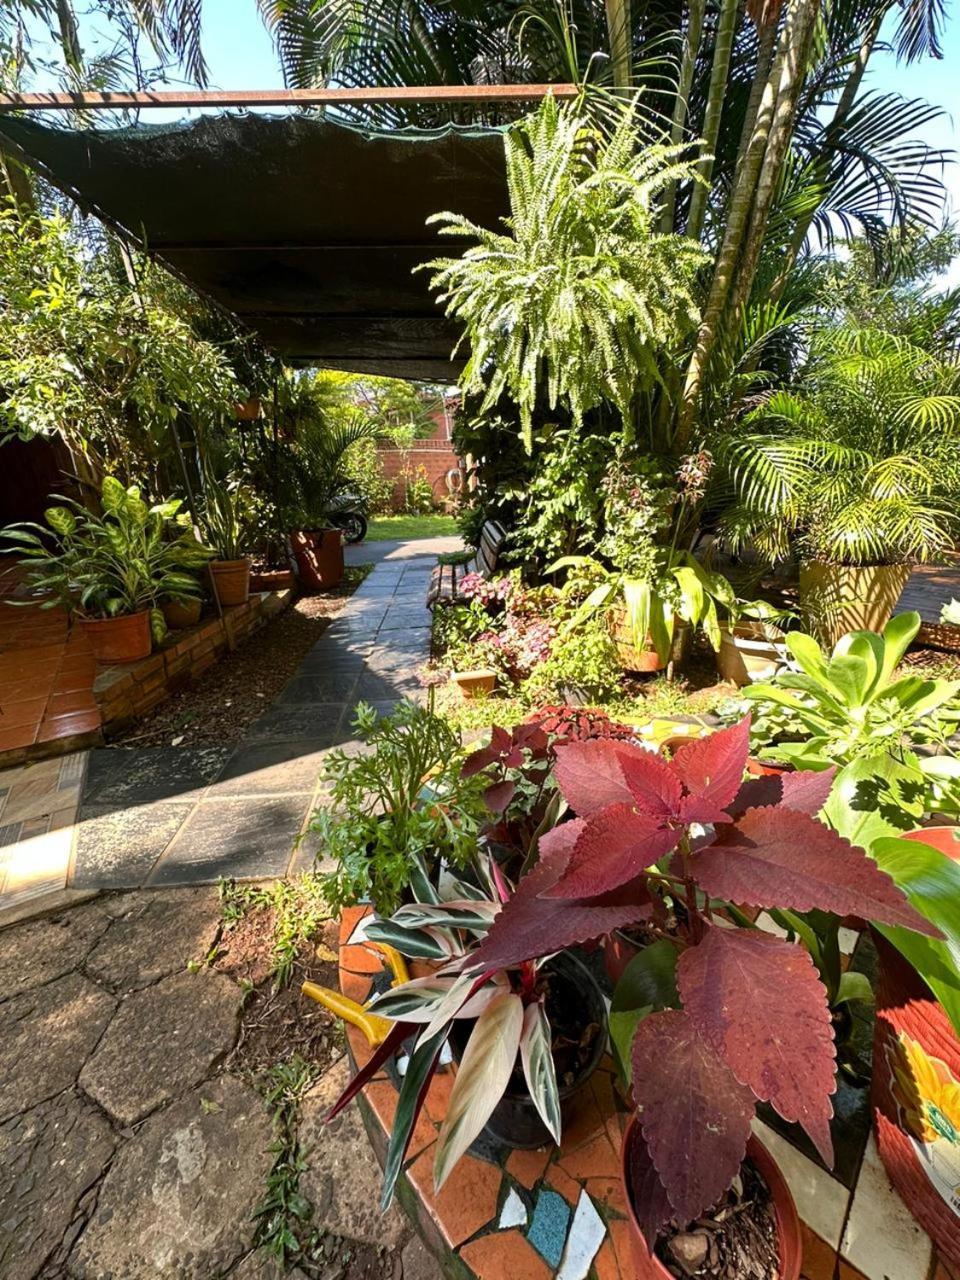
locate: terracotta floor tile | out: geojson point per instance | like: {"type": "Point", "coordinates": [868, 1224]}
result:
{"type": "Point", "coordinates": [21, 689]}
{"type": "Point", "coordinates": [382, 1096]}
{"type": "Point", "coordinates": [14, 714]}
{"type": "Point", "coordinates": [355, 986]}
{"type": "Point", "coordinates": [819, 1258]}
{"type": "Point", "coordinates": [581, 1119]}
{"type": "Point", "coordinates": [528, 1166]}
{"type": "Point", "coordinates": [53, 727]}
{"type": "Point", "coordinates": [620, 1235]}
{"type": "Point", "coordinates": [560, 1181]}
{"type": "Point", "coordinates": [607, 1191]}
{"type": "Point", "coordinates": [438, 1095]}
{"type": "Point", "coordinates": [505, 1255]}
{"type": "Point", "coordinates": [468, 1200]}
{"type": "Point", "coordinates": [349, 920]}
{"type": "Point", "coordinates": [24, 736]}
{"type": "Point", "coordinates": [605, 1263]}
{"type": "Point", "coordinates": [360, 959]}
{"type": "Point", "coordinates": [594, 1159]}
{"type": "Point", "coordinates": [73, 681]}
{"type": "Point", "coordinates": [359, 1049]}
{"type": "Point", "coordinates": [62, 704]}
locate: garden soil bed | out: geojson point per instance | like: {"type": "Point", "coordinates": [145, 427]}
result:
{"type": "Point", "coordinates": [220, 707]}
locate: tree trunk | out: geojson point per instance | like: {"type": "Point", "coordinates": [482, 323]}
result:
{"type": "Point", "coordinates": [691, 47]}
{"type": "Point", "coordinates": [801, 19]}
{"type": "Point", "coordinates": [765, 54]}
{"type": "Point", "coordinates": [738, 214]}
{"type": "Point", "coordinates": [619, 33]}
{"type": "Point", "coordinates": [726, 27]}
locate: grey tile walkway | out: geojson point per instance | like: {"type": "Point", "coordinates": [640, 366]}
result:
{"type": "Point", "coordinates": [124, 817]}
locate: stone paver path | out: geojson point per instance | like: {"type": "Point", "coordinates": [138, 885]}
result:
{"type": "Point", "coordinates": [129, 1148]}
{"type": "Point", "coordinates": [119, 818]}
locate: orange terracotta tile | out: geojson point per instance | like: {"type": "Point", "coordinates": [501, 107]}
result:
{"type": "Point", "coordinates": [468, 1200]}
{"type": "Point", "coordinates": [423, 968]}
{"type": "Point", "coordinates": [360, 959]}
{"type": "Point", "coordinates": [62, 704]}
{"type": "Point", "coordinates": [605, 1263]}
{"type": "Point", "coordinates": [621, 1237]}
{"type": "Point", "coordinates": [356, 986]}
{"type": "Point", "coordinates": [20, 690]}
{"type": "Point", "coordinates": [77, 681]}
{"type": "Point", "coordinates": [608, 1191]}
{"type": "Point", "coordinates": [594, 1159]}
{"type": "Point", "coordinates": [528, 1166]}
{"type": "Point", "coordinates": [438, 1095]}
{"type": "Point", "coordinates": [360, 1051]}
{"type": "Point", "coordinates": [24, 736]}
{"type": "Point", "coordinates": [28, 711]}
{"type": "Point", "coordinates": [819, 1258]}
{"type": "Point", "coordinates": [581, 1119]}
{"type": "Point", "coordinates": [382, 1096]}
{"type": "Point", "coordinates": [53, 727]}
{"type": "Point", "coordinates": [349, 920]}
{"type": "Point", "coordinates": [503, 1255]}
{"type": "Point", "coordinates": [561, 1181]}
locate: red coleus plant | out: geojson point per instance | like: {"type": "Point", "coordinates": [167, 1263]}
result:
{"type": "Point", "coordinates": [745, 1017]}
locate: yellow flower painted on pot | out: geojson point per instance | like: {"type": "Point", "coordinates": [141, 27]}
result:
{"type": "Point", "coordinates": [926, 1092]}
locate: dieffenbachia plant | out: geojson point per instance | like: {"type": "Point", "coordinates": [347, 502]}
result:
{"type": "Point", "coordinates": [733, 1014]}
{"type": "Point", "coordinates": [507, 1003]}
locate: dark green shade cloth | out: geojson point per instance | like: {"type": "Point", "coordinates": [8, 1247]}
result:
{"type": "Point", "coordinates": [306, 229]}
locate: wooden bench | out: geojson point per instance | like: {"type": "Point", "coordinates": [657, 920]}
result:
{"type": "Point", "coordinates": [445, 581]}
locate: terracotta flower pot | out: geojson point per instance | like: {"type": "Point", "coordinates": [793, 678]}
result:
{"type": "Point", "coordinates": [475, 684]}
{"type": "Point", "coordinates": [231, 580]}
{"type": "Point", "coordinates": [646, 659]}
{"type": "Point", "coordinates": [838, 598]}
{"type": "Point", "coordinates": [916, 1086]}
{"type": "Point", "coordinates": [647, 1266]}
{"type": "Point", "coordinates": [749, 652]}
{"type": "Point", "coordinates": [182, 614]}
{"type": "Point", "coordinates": [328, 551]}
{"type": "Point", "coordinates": [123, 639]}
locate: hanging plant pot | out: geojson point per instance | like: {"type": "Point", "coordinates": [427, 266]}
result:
{"type": "Point", "coordinates": [180, 614]}
{"type": "Point", "coordinates": [574, 1003]}
{"type": "Point", "coordinates": [248, 410]}
{"type": "Point", "coordinates": [475, 684]}
{"type": "Point", "coordinates": [750, 652]}
{"type": "Point", "coordinates": [647, 1266]}
{"type": "Point", "coordinates": [644, 659]}
{"type": "Point", "coordinates": [837, 598]}
{"type": "Point", "coordinates": [123, 639]}
{"type": "Point", "coordinates": [231, 581]}
{"type": "Point", "coordinates": [916, 1085]}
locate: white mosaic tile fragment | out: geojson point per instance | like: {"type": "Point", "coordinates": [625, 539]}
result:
{"type": "Point", "coordinates": [881, 1238]}
{"type": "Point", "coordinates": [513, 1213]}
{"type": "Point", "coordinates": [586, 1235]}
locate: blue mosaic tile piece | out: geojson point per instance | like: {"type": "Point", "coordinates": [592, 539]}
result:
{"type": "Point", "coordinates": [548, 1230]}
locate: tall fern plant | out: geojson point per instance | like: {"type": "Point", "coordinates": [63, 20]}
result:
{"type": "Point", "coordinates": [859, 463]}
{"type": "Point", "coordinates": [578, 299]}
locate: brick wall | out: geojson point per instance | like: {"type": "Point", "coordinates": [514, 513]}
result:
{"type": "Point", "coordinates": [435, 456]}
{"type": "Point", "coordinates": [126, 693]}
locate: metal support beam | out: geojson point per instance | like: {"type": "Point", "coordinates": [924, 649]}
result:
{"type": "Point", "coordinates": [369, 96]}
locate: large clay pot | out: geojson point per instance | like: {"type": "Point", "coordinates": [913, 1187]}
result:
{"type": "Point", "coordinates": [328, 550]}
{"type": "Point", "coordinates": [644, 659]}
{"type": "Point", "coordinates": [180, 614]}
{"type": "Point", "coordinates": [123, 639]}
{"type": "Point", "coordinates": [916, 1086]}
{"type": "Point", "coordinates": [838, 598]}
{"type": "Point", "coordinates": [231, 580]}
{"type": "Point", "coordinates": [647, 1266]}
{"type": "Point", "coordinates": [749, 652]}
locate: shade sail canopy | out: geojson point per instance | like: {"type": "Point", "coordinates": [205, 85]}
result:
{"type": "Point", "coordinates": [306, 229]}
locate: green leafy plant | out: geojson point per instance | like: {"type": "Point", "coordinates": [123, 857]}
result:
{"type": "Point", "coordinates": [284, 1209]}
{"type": "Point", "coordinates": [111, 564]}
{"type": "Point", "coordinates": [299, 911]}
{"type": "Point", "coordinates": [226, 515]}
{"type": "Point", "coordinates": [396, 806]}
{"type": "Point", "coordinates": [578, 295]}
{"type": "Point", "coordinates": [852, 704]}
{"type": "Point", "coordinates": [584, 662]}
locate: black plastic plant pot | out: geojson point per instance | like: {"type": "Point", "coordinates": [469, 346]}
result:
{"type": "Point", "coordinates": [515, 1121]}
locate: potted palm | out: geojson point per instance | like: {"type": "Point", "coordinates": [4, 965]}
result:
{"type": "Point", "coordinates": [856, 468]}
{"type": "Point", "coordinates": [109, 570]}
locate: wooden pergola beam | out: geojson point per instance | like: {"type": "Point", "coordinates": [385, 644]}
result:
{"type": "Point", "coordinates": [372, 96]}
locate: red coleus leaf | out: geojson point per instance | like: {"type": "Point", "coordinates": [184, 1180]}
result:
{"type": "Point", "coordinates": [501, 748]}
{"type": "Point", "coordinates": [613, 847]}
{"type": "Point", "coordinates": [647, 1193]}
{"type": "Point", "coordinates": [529, 926]}
{"type": "Point", "coordinates": [498, 796]}
{"type": "Point", "coordinates": [760, 1005]}
{"type": "Point", "coordinates": [694, 1112]}
{"type": "Point", "coordinates": [806, 791]}
{"type": "Point", "coordinates": [776, 857]}
{"type": "Point", "coordinates": [711, 769]}
{"type": "Point", "coordinates": [590, 776]}
{"type": "Point", "coordinates": [655, 787]}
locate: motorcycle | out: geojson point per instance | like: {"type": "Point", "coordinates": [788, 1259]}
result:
{"type": "Point", "coordinates": [347, 514]}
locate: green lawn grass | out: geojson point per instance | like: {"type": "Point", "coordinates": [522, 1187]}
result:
{"type": "Point", "coordinates": [386, 528]}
